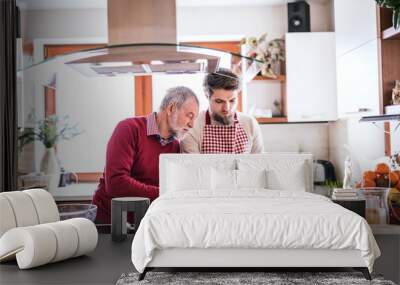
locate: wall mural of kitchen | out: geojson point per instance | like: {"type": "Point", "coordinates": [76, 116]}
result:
{"type": "Point", "coordinates": [70, 105]}
{"type": "Point", "coordinates": [276, 122]}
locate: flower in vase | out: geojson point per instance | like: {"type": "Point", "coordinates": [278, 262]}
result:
{"type": "Point", "coordinates": [49, 131]}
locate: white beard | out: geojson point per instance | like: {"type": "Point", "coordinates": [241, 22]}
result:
{"type": "Point", "coordinates": [174, 130]}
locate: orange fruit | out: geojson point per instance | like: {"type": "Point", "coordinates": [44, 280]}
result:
{"type": "Point", "coordinates": [382, 168]}
{"type": "Point", "coordinates": [394, 178]}
{"type": "Point", "coordinates": [371, 175]}
{"type": "Point", "coordinates": [369, 183]}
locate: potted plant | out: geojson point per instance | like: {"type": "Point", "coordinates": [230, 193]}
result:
{"type": "Point", "coordinates": [50, 131]}
{"type": "Point", "coordinates": [332, 184]}
{"type": "Point", "coordinates": [395, 6]}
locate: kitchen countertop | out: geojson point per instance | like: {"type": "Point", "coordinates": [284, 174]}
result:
{"type": "Point", "coordinates": [102, 266]}
{"type": "Point", "coordinates": [75, 192]}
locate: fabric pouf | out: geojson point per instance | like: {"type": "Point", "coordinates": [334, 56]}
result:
{"type": "Point", "coordinates": [40, 244]}
{"type": "Point", "coordinates": [31, 231]}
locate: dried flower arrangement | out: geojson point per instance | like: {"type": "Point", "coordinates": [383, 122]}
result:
{"type": "Point", "coordinates": [272, 53]}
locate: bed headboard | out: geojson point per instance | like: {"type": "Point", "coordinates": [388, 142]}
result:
{"type": "Point", "coordinates": [290, 170]}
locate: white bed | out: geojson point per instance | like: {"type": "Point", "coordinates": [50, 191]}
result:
{"type": "Point", "coordinates": [247, 211]}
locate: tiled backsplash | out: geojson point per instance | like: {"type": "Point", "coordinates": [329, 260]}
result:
{"type": "Point", "coordinates": [297, 138]}
{"type": "Point", "coordinates": [364, 142]}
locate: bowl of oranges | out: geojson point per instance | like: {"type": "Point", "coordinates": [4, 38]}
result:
{"type": "Point", "coordinates": [384, 183]}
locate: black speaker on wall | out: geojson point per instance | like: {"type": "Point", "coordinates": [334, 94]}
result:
{"type": "Point", "coordinates": [298, 17]}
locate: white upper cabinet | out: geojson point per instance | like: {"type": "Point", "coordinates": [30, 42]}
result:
{"type": "Point", "coordinates": [355, 24]}
{"type": "Point", "coordinates": [358, 81]}
{"type": "Point", "coordinates": [357, 58]}
{"type": "Point", "coordinates": [311, 77]}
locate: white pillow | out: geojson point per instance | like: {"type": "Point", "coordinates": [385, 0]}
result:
{"type": "Point", "coordinates": [223, 179]}
{"type": "Point", "coordinates": [251, 178]}
{"type": "Point", "coordinates": [226, 179]}
{"type": "Point", "coordinates": [183, 177]}
{"type": "Point", "coordinates": [288, 176]}
{"type": "Point", "coordinates": [282, 174]}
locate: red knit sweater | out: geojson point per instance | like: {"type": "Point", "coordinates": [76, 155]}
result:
{"type": "Point", "coordinates": [131, 165]}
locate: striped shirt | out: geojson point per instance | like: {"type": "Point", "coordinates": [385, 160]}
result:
{"type": "Point", "coordinates": [152, 129]}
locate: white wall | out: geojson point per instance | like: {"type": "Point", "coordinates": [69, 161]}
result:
{"type": "Point", "coordinates": [246, 21]}
{"type": "Point", "coordinates": [97, 105]}
{"type": "Point", "coordinates": [395, 137]}
{"type": "Point", "coordinates": [85, 23]}
{"type": "Point", "coordinates": [191, 21]}
{"type": "Point", "coordinates": [94, 103]}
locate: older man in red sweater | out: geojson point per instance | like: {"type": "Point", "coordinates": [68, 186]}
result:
{"type": "Point", "coordinates": [135, 146]}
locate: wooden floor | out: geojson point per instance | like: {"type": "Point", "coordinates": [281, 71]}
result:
{"type": "Point", "coordinates": [102, 266]}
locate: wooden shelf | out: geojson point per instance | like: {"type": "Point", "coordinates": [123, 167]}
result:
{"type": "Point", "coordinates": [281, 78]}
{"type": "Point", "coordinates": [272, 120]}
{"type": "Point", "coordinates": [391, 34]}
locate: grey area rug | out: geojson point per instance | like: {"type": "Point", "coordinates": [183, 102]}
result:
{"type": "Point", "coordinates": [269, 278]}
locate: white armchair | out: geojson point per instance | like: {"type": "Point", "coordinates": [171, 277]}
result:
{"type": "Point", "coordinates": [31, 231]}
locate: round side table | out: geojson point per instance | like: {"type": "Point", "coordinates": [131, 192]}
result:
{"type": "Point", "coordinates": [119, 209]}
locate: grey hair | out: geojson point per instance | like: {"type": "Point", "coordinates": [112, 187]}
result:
{"type": "Point", "coordinates": [177, 95]}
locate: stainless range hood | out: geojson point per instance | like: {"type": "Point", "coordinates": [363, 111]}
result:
{"type": "Point", "coordinates": [142, 41]}
{"type": "Point", "coordinates": [146, 59]}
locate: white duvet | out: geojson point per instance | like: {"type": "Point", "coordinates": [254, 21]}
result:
{"type": "Point", "coordinates": [251, 218]}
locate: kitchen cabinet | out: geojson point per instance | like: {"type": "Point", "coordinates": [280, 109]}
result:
{"type": "Point", "coordinates": [358, 81]}
{"type": "Point", "coordinates": [355, 24]}
{"type": "Point", "coordinates": [368, 60]}
{"type": "Point", "coordinates": [311, 77]}
{"type": "Point", "coordinates": [367, 50]}
{"type": "Point", "coordinates": [357, 51]}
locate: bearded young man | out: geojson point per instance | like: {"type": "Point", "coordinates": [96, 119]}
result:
{"type": "Point", "coordinates": [221, 129]}
{"type": "Point", "coordinates": [135, 146]}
